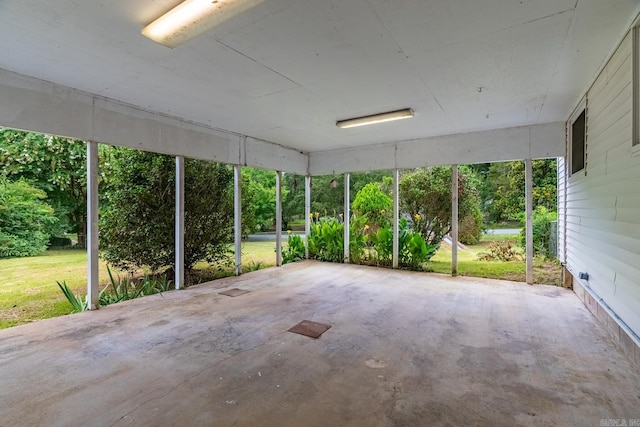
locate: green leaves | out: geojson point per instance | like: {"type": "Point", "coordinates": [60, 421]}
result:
{"type": "Point", "coordinates": [295, 250]}
{"type": "Point", "coordinates": [326, 242]}
{"type": "Point", "coordinates": [26, 220]}
{"type": "Point", "coordinates": [77, 302]}
{"type": "Point", "coordinates": [137, 219]}
{"type": "Point", "coordinates": [425, 197]}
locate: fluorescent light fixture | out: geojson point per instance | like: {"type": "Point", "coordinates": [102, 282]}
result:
{"type": "Point", "coordinates": [192, 18]}
{"type": "Point", "coordinates": [407, 113]}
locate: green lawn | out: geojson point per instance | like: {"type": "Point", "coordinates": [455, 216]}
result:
{"type": "Point", "coordinates": [28, 289]}
{"type": "Point", "coordinates": [544, 272]}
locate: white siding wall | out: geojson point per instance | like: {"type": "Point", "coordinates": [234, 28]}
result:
{"type": "Point", "coordinates": [562, 190]}
{"type": "Point", "coordinates": [603, 204]}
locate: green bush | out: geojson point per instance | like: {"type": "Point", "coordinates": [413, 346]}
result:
{"type": "Point", "coordinates": [425, 197]}
{"type": "Point", "coordinates": [26, 221]}
{"type": "Point", "coordinates": [326, 240]}
{"type": "Point", "coordinates": [137, 220]}
{"type": "Point", "coordinates": [413, 251]}
{"type": "Point", "coordinates": [375, 205]}
{"type": "Point", "coordinates": [295, 250]}
{"type": "Point", "coordinates": [470, 228]}
{"type": "Point", "coordinates": [542, 219]}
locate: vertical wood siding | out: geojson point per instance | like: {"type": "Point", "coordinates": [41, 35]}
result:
{"type": "Point", "coordinates": [602, 226]}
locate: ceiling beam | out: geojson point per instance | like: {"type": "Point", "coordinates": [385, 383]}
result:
{"type": "Point", "coordinates": [516, 143]}
{"type": "Point", "coordinates": [39, 106]}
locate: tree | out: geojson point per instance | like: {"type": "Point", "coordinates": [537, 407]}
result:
{"type": "Point", "coordinates": [137, 225]}
{"type": "Point", "coordinates": [506, 180]}
{"type": "Point", "coordinates": [53, 164]}
{"type": "Point", "coordinates": [26, 221]}
{"type": "Point", "coordinates": [374, 205]}
{"type": "Point", "coordinates": [258, 199]}
{"type": "Point", "coordinates": [425, 197]}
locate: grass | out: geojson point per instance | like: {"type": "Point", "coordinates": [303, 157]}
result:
{"type": "Point", "coordinates": [544, 271]}
{"type": "Point", "coordinates": [28, 289]}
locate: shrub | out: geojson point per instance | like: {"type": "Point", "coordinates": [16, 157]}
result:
{"type": "Point", "coordinates": [295, 250]}
{"type": "Point", "coordinates": [137, 223]}
{"type": "Point", "coordinates": [413, 251]}
{"type": "Point", "coordinates": [25, 220]}
{"type": "Point", "coordinates": [326, 240]}
{"type": "Point", "coordinates": [373, 204]}
{"type": "Point", "coordinates": [470, 228]}
{"type": "Point", "coordinates": [59, 242]}
{"type": "Point", "coordinates": [425, 197]}
{"type": "Point", "coordinates": [542, 219]}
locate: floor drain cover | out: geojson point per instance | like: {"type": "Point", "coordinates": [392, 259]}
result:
{"type": "Point", "coordinates": [234, 292]}
{"type": "Point", "coordinates": [310, 329]}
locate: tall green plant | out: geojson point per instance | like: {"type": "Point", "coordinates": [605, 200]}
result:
{"type": "Point", "coordinates": [326, 240]}
{"type": "Point", "coordinates": [295, 250]}
{"type": "Point", "coordinates": [413, 250]}
{"type": "Point", "coordinates": [77, 301]}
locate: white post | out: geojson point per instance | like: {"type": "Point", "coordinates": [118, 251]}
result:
{"type": "Point", "coordinates": [278, 218]}
{"type": "Point", "coordinates": [454, 220]}
{"type": "Point", "coordinates": [237, 217]}
{"type": "Point", "coordinates": [396, 217]}
{"type": "Point", "coordinates": [93, 290]}
{"type": "Point", "coordinates": [179, 224]}
{"type": "Point", "coordinates": [307, 213]}
{"type": "Point", "coordinates": [347, 206]}
{"type": "Point", "coordinates": [529, 213]}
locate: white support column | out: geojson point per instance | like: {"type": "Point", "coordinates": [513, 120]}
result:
{"type": "Point", "coordinates": [347, 210]}
{"type": "Point", "coordinates": [179, 224]}
{"type": "Point", "coordinates": [93, 290]}
{"type": "Point", "coordinates": [529, 213]}
{"type": "Point", "coordinates": [278, 218]}
{"type": "Point", "coordinates": [307, 213]}
{"type": "Point", "coordinates": [454, 220]}
{"type": "Point", "coordinates": [237, 217]}
{"type": "Point", "coordinates": [396, 217]}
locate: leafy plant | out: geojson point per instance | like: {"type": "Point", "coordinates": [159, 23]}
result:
{"type": "Point", "coordinates": [326, 240]}
{"type": "Point", "coordinates": [123, 289]}
{"type": "Point", "coordinates": [77, 302]}
{"type": "Point", "coordinates": [253, 266]}
{"type": "Point", "coordinates": [542, 219]}
{"type": "Point", "coordinates": [295, 250]}
{"type": "Point", "coordinates": [413, 251]}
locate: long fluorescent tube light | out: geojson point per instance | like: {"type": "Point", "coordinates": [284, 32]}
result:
{"type": "Point", "coordinates": [192, 18]}
{"type": "Point", "coordinates": [407, 113]}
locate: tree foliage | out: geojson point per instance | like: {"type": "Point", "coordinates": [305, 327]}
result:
{"type": "Point", "coordinates": [506, 194]}
{"type": "Point", "coordinates": [53, 164]}
{"type": "Point", "coordinates": [137, 224]}
{"type": "Point", "coordinates": [425, 197]}
{"type": "Point", "coordinates": [26, 221]}
{"type": "Point", "coordinates": [258, 199]}
{"type": "Point", "coordinates": [373, 204]}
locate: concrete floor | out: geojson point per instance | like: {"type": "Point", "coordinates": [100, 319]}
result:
{"type": "Point", "coordinates": [405, 349]}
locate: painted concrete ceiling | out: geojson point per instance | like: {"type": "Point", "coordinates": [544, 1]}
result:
{"type": "Point", "coordinates": [286, 70]}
